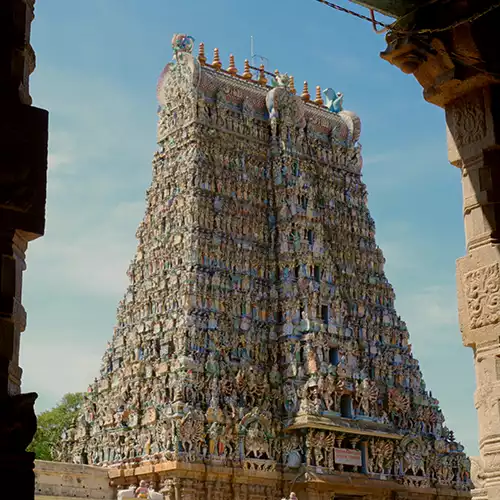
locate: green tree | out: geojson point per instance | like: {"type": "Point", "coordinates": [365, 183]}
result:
{"type": "Point", "coordinates": [52, 423]}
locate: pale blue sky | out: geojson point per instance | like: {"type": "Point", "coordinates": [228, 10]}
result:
{"type": "Point", "coordinates": [98, 63]}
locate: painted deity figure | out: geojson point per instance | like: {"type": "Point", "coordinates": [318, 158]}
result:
{"type": "Point", "coordinates": [283, 243]}
{"type": "Point", "coordinates": [312, 363]}
{"type": "Point", "coordinates": [288, 326]}
{"type": "Point", "coordinates": [143, 490]}
{"type": "Point", "coordinates": [305, 324]}
{"type": "Point", "coordinates": [212, 322]}
{"type": "Point", "coordinates": [414, 461]}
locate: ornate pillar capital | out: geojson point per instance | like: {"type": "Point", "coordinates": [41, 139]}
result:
{"type": "Point", "coordinates": [449, 56]}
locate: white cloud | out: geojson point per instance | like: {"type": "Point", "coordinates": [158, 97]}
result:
{"type": "Point", "coordinates": [95, 260]}
{"type": "Point", "coordinates": [437, 305]}
{"type": "Point", "coordinates": [92, 212]}
{"type": "Point", "coordinates": [91, 118]}
{"type": "Point", "coordinates": [378, 158]}
{"type": "Point", "coordinates": [57, 160]}
{"type": "Point", "coordinates": [53, 369]}
{"type": "Point", "coordinates": [62, 151]}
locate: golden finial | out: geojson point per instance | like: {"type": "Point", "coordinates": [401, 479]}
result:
{"type": "Point", "coordinates": [247, 74]}
{"type": "Point", "coordinates": [216, 62]}
{"type": "Point", "coordinates": [318, 100]}
{"type": "Point", "coordinates": [262, 76]}
{"type": "Point", "coordinates": [232, 67]}
{"type": "Point", "coordinates": [292, 85]}
{"type": "Point", "coordinates": [201, 54]}
{"type": "Point", "coordinates": [305, 93]}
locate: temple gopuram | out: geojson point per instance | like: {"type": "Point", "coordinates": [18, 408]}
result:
{"type": "Point", "coordinates": [257, 350]}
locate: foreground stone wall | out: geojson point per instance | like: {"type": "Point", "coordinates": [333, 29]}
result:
{"type": "Point", "coordinates": [61, 480]}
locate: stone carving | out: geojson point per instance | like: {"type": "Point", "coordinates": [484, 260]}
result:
{"type": "Point", "coordinates": [413, 458]}
{"type": "Point", "coordinates": [380, 456]}
{"type": "Point", "coordinates": [482, 292]}
{"type": "Point", "coordinates": [258, 309]}
{"type": "Point", "coordinates": [286, 107]}
{"type": "Point", "coordinates": [477, 472]}
{"type": "Point", "coordinates": [467, 120]}
{"type": "Point", "coordinates": [191, 432]}
{"type": "Point", "coordinates": [142, 490]}
{"type": "Point", "coordinates": [281, 80]}
{"type": "Point", "coordinates": [367, 395]}
{"type": "Point", "coordinates": [154, 495]}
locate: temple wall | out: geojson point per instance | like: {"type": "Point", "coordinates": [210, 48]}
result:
{"type": "Point", "coordinates": [62, 480]}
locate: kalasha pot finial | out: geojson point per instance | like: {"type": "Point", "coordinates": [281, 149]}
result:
{"type": "Point", "coordinates": [306, 97]}
{"type": "Point", "coordinates": [262, 76]}
{"type": "Point", "coordinates": [201, 54]}
{"type": "Point", "coordinates": [247, 74]}
{"type": "Point", "coordinates": [319, 99]}
{"type": "Point", "coordinates": [216, 62]}
{"type": "Point", "coordinates": [232, 70]}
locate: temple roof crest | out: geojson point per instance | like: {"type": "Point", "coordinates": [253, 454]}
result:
{"type": "Point", "coordinates": [182, 43]}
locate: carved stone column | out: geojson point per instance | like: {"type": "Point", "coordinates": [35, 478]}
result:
{"type": "Point", "coordinates": [473, 122]}
{"type": "Point", "coordinates": [459, 70]}
{"type": "Point", "coordinates": [23, 166]}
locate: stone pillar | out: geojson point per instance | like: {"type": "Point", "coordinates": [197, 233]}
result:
{"type": "Point", "coordinates": [474, 146]}
{"type": "Point", "coordinates": [459, 70]}
{"type": "Point", "coordinates": [23, 168]}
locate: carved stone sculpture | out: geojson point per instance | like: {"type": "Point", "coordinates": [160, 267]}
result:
{"type": "Point", "coordinates": [258, 333]}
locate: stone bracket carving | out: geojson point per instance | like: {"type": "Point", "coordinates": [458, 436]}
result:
{"type": "Point", "coordinates": [482, 291]}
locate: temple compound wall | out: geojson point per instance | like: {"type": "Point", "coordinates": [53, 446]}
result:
{"type": "Point", "coordinates": [64, 481]}
{"type": "Point", "coordinates": [257, 350]}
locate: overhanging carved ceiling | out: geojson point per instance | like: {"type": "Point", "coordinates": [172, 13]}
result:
{"type": "Point", "coordinates": [392, 8]}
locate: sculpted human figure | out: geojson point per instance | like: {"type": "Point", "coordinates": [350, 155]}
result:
{"type": "Point", "coordinates": [366, 395]}
{"type": "Point", "coordinates": [414, 460]}
{"type": "Point", "coordinates": [312, 364]}
{"type": "Point", "coordinates": [143, 490]}
{"type": "Point", "coordinates": [305, 324]}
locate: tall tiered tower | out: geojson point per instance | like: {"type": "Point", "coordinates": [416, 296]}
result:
{"type": "Point", "coordinates": [257, 348]}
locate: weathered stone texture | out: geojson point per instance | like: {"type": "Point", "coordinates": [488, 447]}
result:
{"type": "Point", "coordinates": [60, 480]}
